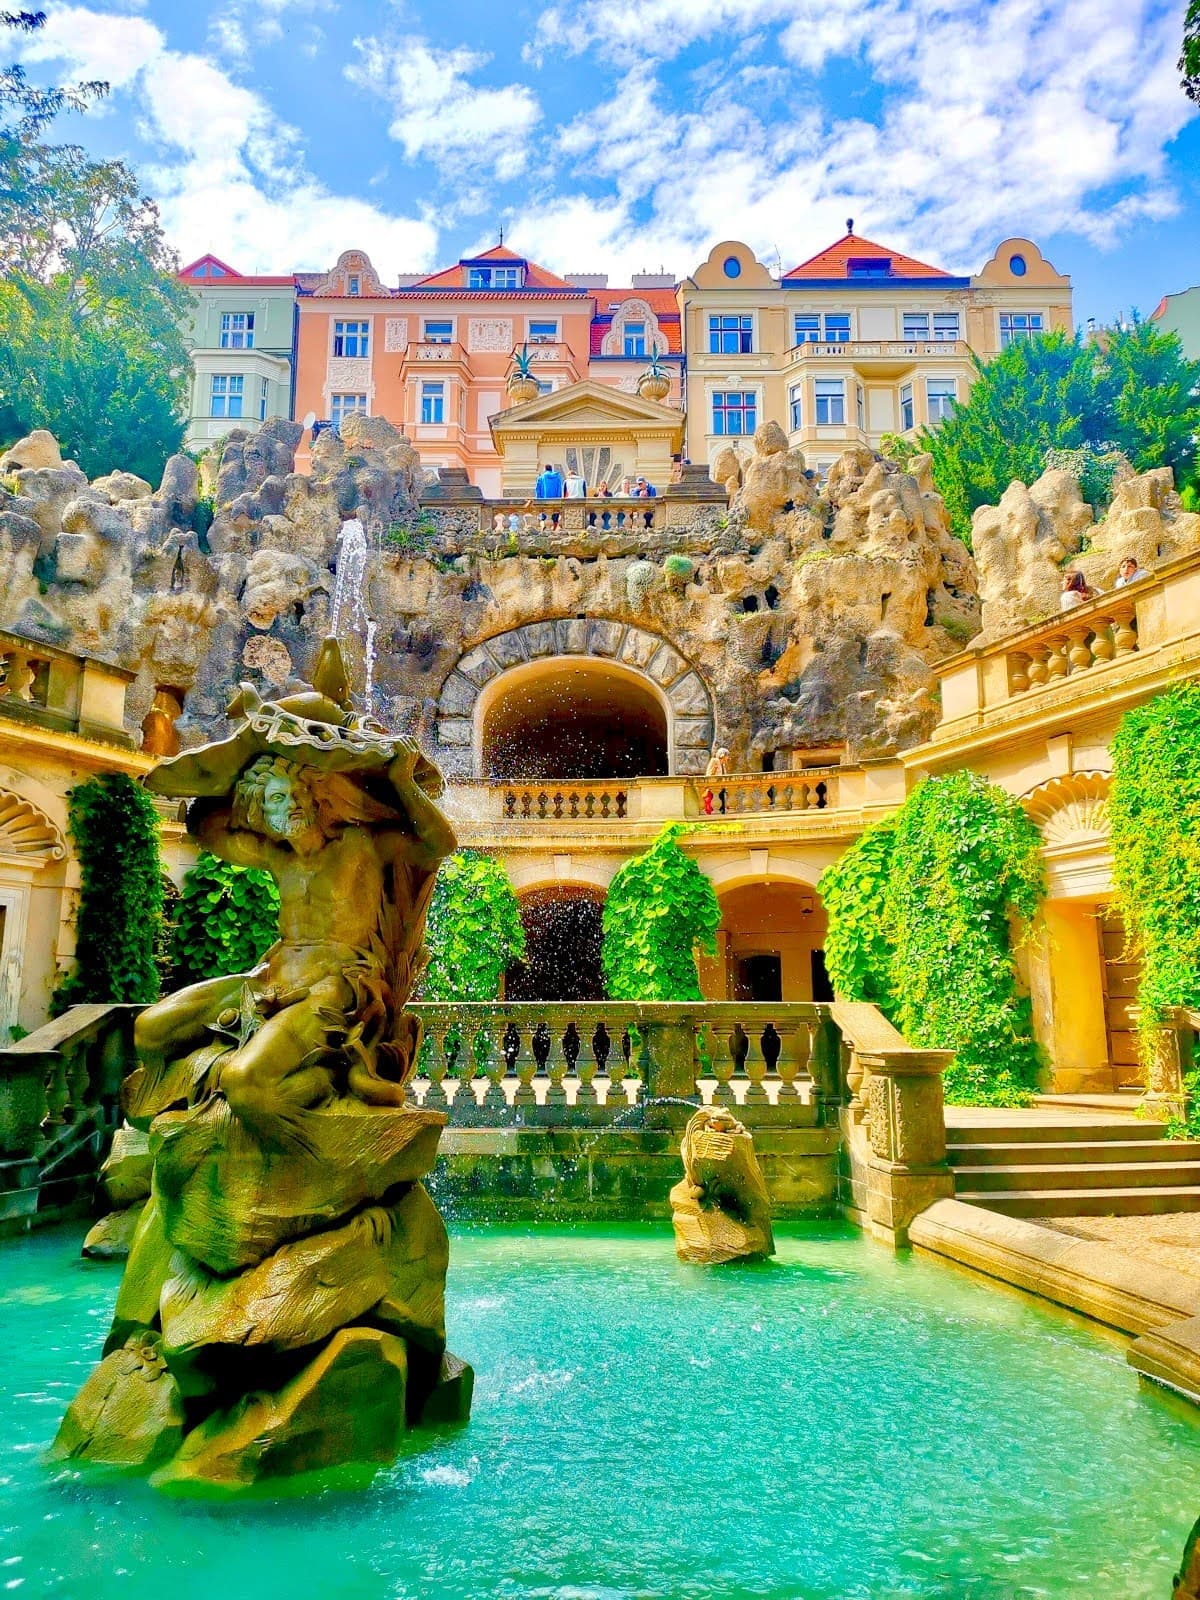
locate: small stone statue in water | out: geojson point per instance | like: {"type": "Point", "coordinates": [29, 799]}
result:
{"type": "Point", "coordinates": [283, 1305]}
{"type": "Point", "coordinates": [720, 1208]}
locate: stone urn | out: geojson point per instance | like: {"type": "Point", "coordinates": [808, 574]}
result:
{"type": "Point", "coordinates": [522, 387]}
{"type": "Point", "coordinates": [654, 384]}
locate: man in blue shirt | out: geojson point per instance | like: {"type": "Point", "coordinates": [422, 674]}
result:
{"type": "Point", "coordinates": [549, 485]}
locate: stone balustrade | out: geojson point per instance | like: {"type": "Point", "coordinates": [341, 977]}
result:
{"type": "Point", "coordinates": [815, 789]}
{"type": "Point", "coordinates": [560, 1064]}
{"type": "Point", "coordinates": [879, 350]}
{"type": "Point", "coordinates": [50, 688]}
{"type": "Point", "coordinates": [59, 1104]}
{"type": "Point", "coordinates": [587, 800]}
{"type": "Point", "coordinates": [1090, 636]}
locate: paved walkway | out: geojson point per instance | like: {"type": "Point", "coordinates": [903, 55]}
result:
{"type": "Point", "coordinates": [1170, 1241]}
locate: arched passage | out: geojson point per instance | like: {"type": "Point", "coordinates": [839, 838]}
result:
{"type": "Point", "coordinates": [770, 945]}
{"type": "Point", "coordinates": [572, 719]}
{"type": "Point", "coordinates": [563, 936]}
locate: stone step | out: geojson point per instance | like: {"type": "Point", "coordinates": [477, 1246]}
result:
{"type": "Point", "coordinates": [1158, 1151]}
{"type": "Point", "coordinates": [1077, 1175]}
{"type": "Point", "coordinates": [1123, 1102]}
{"type": "Point", "coordinates": [1084, 1202]}
{"type": "Point", "coordinates": [1073, 1130]}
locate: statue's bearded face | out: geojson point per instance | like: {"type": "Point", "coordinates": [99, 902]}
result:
{"type": "Point", "coordinates": [287, 809]}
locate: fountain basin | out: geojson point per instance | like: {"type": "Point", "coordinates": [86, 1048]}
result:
{"type": "Point", "coordinates": [840, 1424]}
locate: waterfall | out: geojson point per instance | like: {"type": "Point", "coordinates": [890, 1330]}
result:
{"type": "Point", "coordinates": [349, 597]}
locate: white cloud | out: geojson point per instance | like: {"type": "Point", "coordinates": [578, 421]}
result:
{"type": "Point", "coordinates": [240, 24]}
{"type": "Point", "coordinates": [93, 46]}
{"type": "Point", "coordinates": [439, 115]}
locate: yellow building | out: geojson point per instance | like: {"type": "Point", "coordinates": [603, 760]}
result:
{"type": "Point", "coordinates": [855, 343]}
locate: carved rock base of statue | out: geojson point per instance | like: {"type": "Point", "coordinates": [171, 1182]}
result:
{"type": "Point", "coordinates": [125, 1179]}
{"type": "Point", "coordinates": [282, 1310]}
{"type": "Point", "coordinates": [721, 1210]}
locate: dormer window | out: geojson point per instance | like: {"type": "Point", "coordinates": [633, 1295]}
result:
{"type": "Point", "coordinates": [493, 277]}
{"type": "Point", "coordinates": [869, 267]}
{"type": "Point", "coordinates": [355, 284]}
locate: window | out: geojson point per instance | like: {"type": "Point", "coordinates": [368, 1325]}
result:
{"type": "Point", "coordinates": [438, 332]}
{"type": "Point", "coordinates": [730, 336]}
{"type": "Point", "coordinates": [545, 386]}
{"type": "Point", "coordinates": [862, 409]}
{"type": "Point", "coordinates": [227, 391]}
{"type": "Point", "coordinates": [493, 277]}
{"type": "Point", "coordinates": [831, 402]}
{"type": "Point", "coordinates": [731, 267]}
{"type": "Point", "coordinates": [808, 327]}
{"type": "Point", "coordinates": [355, 283]}
{"type": "Point", "coordinates": [635, 338]}
{"type": "Point", "coordinates": [351, 339]}
{"type": "Point", "coordinates": [343, 405]}
{"type": "Point", "coordinates": [1016, 265]}
{"type": "Point", "coordinates": [837, 327]}
{"type": "Point", "coordinates": [1019, 325]}
{"type": "Point", "coordinates": [916, 325]}
{"type": "Point", "coordinates": [237, 330]}
{"type": "Point", "coordinates": [543, 332]}
{"type": "Point", "coordinates": [735, 411]}
{"type": "Point", "coordinates": [940, 396]}
{"type": "Point", "coordinates": [433, 402]}
{"type": "Point", "coordinates": [869, 267]}
{"type": "Point", "coordinates": [263, 389]}
{"type": "Point", "coordinates": [945, 325]}
{"type": "Point", "coordinates": [795, 408]}
{"type": "Point", "coordinates": [906, 407]}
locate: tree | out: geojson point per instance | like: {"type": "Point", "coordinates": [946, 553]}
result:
{"type": "Point", "coordinates": [1132, 390]}
{"type": "Point", "coordinates": [226, 919]}
{"type": "Point", "coordinates": [659, 908]}
{"type": "Point", "coordinates": [91, 310]}
{"type": "Point", "coordinates": [474, 931]}
{"type": "Point", "coordinates": [1189, 61]}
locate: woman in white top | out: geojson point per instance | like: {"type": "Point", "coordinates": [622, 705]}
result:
{"type": "Point", "coordinates": [1075, 591]}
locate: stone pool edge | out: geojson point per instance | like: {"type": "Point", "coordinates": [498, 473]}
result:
{"type": "Point", "coordinates": [1158, 1307]}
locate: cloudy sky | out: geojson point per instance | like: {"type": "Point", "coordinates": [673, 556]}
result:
{"type": "Point", "coordinates": [627, 135]}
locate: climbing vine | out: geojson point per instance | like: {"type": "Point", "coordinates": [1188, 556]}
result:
{"type": "Point", "coordinates": [1154, 825]}
{"type": "Point", "coordinates": [115, 828]}
{"type": "Point", "coordinates": [922, 911]}
{"type": "Point", "coordinates": [474, 930]}
{"type": "Point", "coordinates": [660, 907]}
{"type": "Point", "coordinates": [226, 918]}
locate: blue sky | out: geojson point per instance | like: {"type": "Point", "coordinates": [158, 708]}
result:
{"type": "Point", "coordinates": [627, 135]}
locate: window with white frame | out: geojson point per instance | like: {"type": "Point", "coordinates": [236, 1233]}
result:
{"type": "Point", "coordinates": [342, 406]}
{"type": "Point", "coordinates": [807, 326]}
{"type": "Point", "coordinates": [731, 335]}
{"type": "Point", "coordinates": [916, 325]}
{"type": "Point", "coordinates": [1019, 325]}
{"type": "Point", "coordinates": [351, 339]}
{"type": "Point", "coordinates": [734, 411]}
{"type": "Point", "coordinates": [837, 327]}
{"type": "Point", "coordinates": [493, 277]}
{"type": "Point", "coordinates": [811, 327]}
{"type": "Point", "coordinates": [795, 406]}
{"type": "Point", "coordinates": [228, 391]}
{"type": "Point", "coordinates": [906, 407]}
{"type": "Point", "coordinates": [633, 337]}
{"type": "Point", "coordinates": [440, 332]}
{"type": "Point", "coordinates": [263, 392]}
{"type": "Point", "coordinates": [433, 402]}
{"type": "Point", "coordinates": [941, 395]}
{"type": "Point", "coordinates": [543, 332]}
{"type": "Point", "coordinates": [237, 330]}
{"type": "Point", "coordinates": [831, 402]}
{"type": "Point", "coordinates": [945, 325]}
{"type": "Point", "coordinates": [861, 404]}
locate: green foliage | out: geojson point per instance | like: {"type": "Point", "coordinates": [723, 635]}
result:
{"type": "Point", "coordinates": [164, 937]}
{"type": "Point", "coordinates": [1190, 497]}
{"type": "Point", "coordinates": [227, 918]}
{"type": "Point", "coordinates": [896, 447]}
{"type": "Point", "coordinates": [678, 569]}
{"type": "Point", "coordinates": [1154, 823]}
{"type": "Point", "coordinates": [115, 828]}
{"type": "Point", "coordinates": [1133, 393]}
{"type": "Point", "coordinates": [659, 908]}
{"type": "Point", "coordinates": [474, 932]}
{"type": "Point", "coordinates": [921, 910]}
{"type": "Point", "coordinates": [1189, 61]}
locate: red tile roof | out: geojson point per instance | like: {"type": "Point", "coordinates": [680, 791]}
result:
{"type": "Point", "coordinates": [535, 277]}
{"type": "Point", "coordinates": [834, 262]}
{"type": "Point", "coordinates": [228, 275]}
{"type": "Point", "coordinates": [661, 301]}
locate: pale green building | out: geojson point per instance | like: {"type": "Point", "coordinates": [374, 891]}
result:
{"type": "Point", "coordinates": [241, 338]}
{"type": "Point", "coordinates": [1180, 313]}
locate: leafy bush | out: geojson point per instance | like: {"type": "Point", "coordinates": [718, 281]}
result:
{"type": "Point", "coordinates": [115, 828]}
{"type": "Point", "coordinates": [660, 907]}
{"type": "Point", "coordinates": [474, 931]}
{"type": "Point", "coordinates": [921, 910]}
{"type": "Point", "coordinates": [227, 917]}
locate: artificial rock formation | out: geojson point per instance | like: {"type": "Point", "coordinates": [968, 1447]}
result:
{"type": "Point", "coordinates": [1023, 545]}
{"type": "Point", "coordinates": [720, 1208]}
{"type": "Point", "coordinates": [125, 1179]}
{"type": "Point", "coordinates": [283, 1306]}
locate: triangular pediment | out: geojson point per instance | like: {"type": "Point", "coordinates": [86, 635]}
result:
{"type": "Point", "coordinates": [586, 405]}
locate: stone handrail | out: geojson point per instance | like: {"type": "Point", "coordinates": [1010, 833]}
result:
{"type": "Point", "coordinates": [1092, 635]}
{"type": "Point", "coordinates": [738, 794]}
{"type": "Point", "coordinates": [52, 688]}
{"type": "Point", "coordinates": [585, 799]}
{"type": "Point", "coordinates": [601, 1061]}
{"type": "Point", "coordinates": [887, 349]}
{"type": "Point", "coordinates": [59, 1104]}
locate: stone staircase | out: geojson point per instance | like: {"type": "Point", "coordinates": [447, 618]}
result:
{"type": "Point", "coordinates": [1054, 1160]}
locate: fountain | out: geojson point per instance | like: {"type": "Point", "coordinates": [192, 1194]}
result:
{"type": "Point", "coordinates": [720, 1208]}
{"type": "Point", "coordinates": [349, 596]}
{"type": "Point", "coordinates": [282, 1309]}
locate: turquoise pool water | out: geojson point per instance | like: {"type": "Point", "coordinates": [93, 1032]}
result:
{"type": "Point", "coordinates": [836, 1425]}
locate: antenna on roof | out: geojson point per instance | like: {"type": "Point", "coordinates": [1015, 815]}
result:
{"type": "Point", "coordinates": [849, 224]}
{"type": "Point", "coordinates": [501, 235]}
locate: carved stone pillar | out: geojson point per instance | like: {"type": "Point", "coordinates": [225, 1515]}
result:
{"type": "Point", "coordinates": [906, 1126]}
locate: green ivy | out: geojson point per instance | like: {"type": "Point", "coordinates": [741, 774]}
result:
{"type": "Point", "coordinates": [226, 918]}
{"type": "Point", "coordinates": [922, 910]}
{"type": "Point", "coordinates": [474, 932]}
{"type": "Point", "coordinates": [114, 825]}
{"type": "Point", "coordinates": [659, 908]}
{"type": "Point", "coordinates": [1154, 827]}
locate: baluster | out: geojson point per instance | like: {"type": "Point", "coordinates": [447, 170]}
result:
{"type": "Point", "coordinates": [56, 1093]}
{"type": "Point", "coordinates": [605, 802]}
{"type": "Point", "coordinates": [1039, 669]}
{"type": "Point", "coordinates": [754, 1065]}
{"type": "Point", "coordinates": [622, 803]}
{"type": "Point", "coordinates": [1079, 654]}
{"type": "Point", "coordinates": [723, 1064]}
{"type": "Point", "coordinates": [18, 676]}
{"type": "Point", "coordinates": [486, 1067]}
{"type": "Point", "coordinates": [703, 1051]}
{"type": "Point", "coordinates": [739, 1049]}
{"type": "Point", "coordinates": [602, 1050]}
{"type": "Point", "coordinates": [525, 1064]}
{"type": "Point", "coordinates": [592, 1062]}
{"type": "Point", "coordinates": [770, 1082]}
{"type": "Point", "coordinates": [570, 1083]}
{"type": "Point", "coordinates": [790, 1060]}
{"type": "Point", "coordinates": [558, 805]}
{"type": "Point", "coordinates": [510, 805]}
{"type": "Point", "coordinates": [589, 805]}
{"type": "Point", "coordinates": [1125, 630]}
{"type": "Point", "coordinates": [1056, 661]}
{"type": "Point", "coordinates": [637, 1076]}
{"type": "Point", "coordinates": [540, 1081]}
{"type": "Point", "coordinates": [1018, 673]}
{"type": "Point", "coordinates": [434, 1063]}
{"type": "Point", "coordinates": [1103, 647]}
{"type": "Point", "coordinates": [510, 1083]}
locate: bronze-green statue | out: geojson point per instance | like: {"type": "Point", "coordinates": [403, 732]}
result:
{"type": "Point", "coordinates": [282, 1309]}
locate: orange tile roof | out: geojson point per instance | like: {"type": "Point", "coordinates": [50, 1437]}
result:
{"type": "Point", "coordinates": [535, 277]}
{"type": "Point", "coordinates": [834, 261]}
{"type": "Point", "coordinates": [661, 301]}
